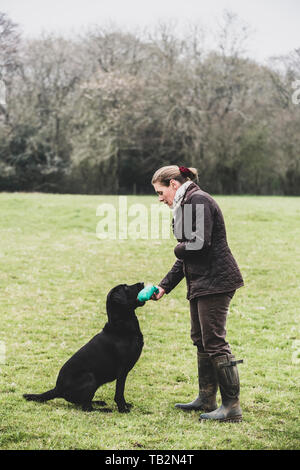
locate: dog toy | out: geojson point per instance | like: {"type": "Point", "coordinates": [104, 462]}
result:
{"type": "Point", "coordinates": [146, 293]}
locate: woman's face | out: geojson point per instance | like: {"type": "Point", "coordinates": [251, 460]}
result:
{"type": "Point", "coordinates": [166, 193]}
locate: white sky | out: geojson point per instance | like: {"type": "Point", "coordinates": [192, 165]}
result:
{"type": "Point", "coordinates": [275, 23]}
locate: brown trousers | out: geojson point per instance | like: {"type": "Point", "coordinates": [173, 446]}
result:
{"type": "Point", "coordinates": [208, 323]}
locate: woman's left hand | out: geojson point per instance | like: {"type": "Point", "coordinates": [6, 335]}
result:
{"type": "Point", "coordinates": [179, 250]}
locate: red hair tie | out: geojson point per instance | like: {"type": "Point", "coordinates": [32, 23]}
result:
{"type": "Point", "coordinates": [185, 171]}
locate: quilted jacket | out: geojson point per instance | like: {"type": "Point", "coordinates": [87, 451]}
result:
{"type": "Point", "coordinates": [208, 266]}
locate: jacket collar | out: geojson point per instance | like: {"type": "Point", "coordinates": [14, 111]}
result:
{"type": "Point", "coordinates": [192, 188]}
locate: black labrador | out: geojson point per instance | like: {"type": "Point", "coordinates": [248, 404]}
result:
{"type": "Point", "coordinates": [109, 355]}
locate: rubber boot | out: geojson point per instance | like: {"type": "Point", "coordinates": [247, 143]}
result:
{"type": "Point", "coordinates": [208, 386]}
{"type": "Point", "coordinates": [228, 378]}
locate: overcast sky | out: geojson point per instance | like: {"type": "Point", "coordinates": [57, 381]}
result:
{"type": "Point", "coordinates": [275, 24]}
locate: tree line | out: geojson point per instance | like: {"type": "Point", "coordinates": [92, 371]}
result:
{"type": "Point", "coordinates": [100, 112]}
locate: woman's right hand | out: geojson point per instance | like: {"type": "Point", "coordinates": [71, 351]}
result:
{"type": "Point", "coordinates": [159, 294]}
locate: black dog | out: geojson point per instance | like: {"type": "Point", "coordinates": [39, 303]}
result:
{"type": "Point", "coordinates": [110, 355]}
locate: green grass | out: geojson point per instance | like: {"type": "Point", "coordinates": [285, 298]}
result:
{"type": "Point", "coordinates": [54, 277]}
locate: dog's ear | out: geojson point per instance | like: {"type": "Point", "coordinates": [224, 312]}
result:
{"type": "Point", "coordinates": [116, 297]}
{"type": "Point", "coordinates": [119, 297]}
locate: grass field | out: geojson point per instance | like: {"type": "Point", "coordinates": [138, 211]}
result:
{"type": "Point", "coordinates": [54, 277]}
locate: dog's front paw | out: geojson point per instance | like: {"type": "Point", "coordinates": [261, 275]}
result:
{"type": "Point", "coordinates": [125, 407]}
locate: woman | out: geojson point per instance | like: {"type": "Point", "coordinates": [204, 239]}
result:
{"type": "Point", "coordinates": [212, 277]}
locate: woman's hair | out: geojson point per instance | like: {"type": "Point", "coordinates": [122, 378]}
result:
{"type": "Point", "coordinates": [172, 172]}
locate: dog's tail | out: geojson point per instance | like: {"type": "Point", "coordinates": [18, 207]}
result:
{"type": "Point", "coordinates": [42, 396]}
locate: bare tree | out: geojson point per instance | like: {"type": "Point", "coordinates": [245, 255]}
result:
{"type": "Point", "coordinates": [9, 41]}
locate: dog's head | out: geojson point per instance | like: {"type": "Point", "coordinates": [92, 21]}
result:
{"type": "Point", "coordinates": [122, 300]}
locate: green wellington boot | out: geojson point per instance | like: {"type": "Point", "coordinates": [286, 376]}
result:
{"type": "Point", "coordinates": [208, 386]}
{"type": "Point", "coordinates": [229, 383]}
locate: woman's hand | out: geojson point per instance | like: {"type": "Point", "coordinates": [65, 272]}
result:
{"type": "Point", "coordinates": [179, 250]}
{"type": "Point", "coordinates": [159, 295]}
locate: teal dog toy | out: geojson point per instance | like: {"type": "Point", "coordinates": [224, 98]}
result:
{"type": "Point", "coordinates": [146, 293]}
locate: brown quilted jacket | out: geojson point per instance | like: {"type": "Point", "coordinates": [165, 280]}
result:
{"type": "Point", "coordinates": [211, 268]}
